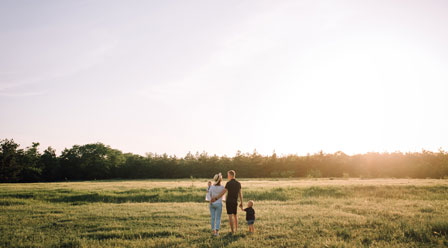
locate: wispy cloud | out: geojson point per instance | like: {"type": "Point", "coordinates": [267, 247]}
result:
{"type": "Point", "coordinates": [18, 84]}
{"type": "Point", "coordinates": [23, 94]}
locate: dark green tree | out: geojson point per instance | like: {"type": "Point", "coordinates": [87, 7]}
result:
{"type": "Point", "coordinates": [10, 158]}
{"type": "Point", "coordinates": [49, 163]}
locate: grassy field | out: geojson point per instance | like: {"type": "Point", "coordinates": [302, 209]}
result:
{"type": "Point", "coordinates": [172, 213]}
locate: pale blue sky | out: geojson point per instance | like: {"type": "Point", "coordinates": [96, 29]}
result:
{"type": "Point", "coordinates": [222, 76]}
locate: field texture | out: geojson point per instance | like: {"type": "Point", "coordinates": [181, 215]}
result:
{"type": "Point", "coordinates": [290, 213]}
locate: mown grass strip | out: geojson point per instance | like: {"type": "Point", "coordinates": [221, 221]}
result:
{"type": "Point", "coordinates": [195, 194]}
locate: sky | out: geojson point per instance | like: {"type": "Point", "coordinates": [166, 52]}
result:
{"type": "Point", "coordinates": [293, 77]}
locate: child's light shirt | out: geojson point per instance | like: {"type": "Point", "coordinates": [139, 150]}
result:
{"type": "Point", "coordinates": [207, 196]}
{"type": "Point", "coordinates": [215, 191]}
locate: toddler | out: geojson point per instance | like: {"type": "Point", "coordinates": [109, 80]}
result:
{"type": "Point", "coordinates": [250, 215]}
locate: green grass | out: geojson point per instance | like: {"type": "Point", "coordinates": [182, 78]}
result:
{"type": "Point", "coordinates": [164, 213]}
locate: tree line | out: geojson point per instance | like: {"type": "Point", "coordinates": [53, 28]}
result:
{"type": "Point", "coordinates": [98, 161]}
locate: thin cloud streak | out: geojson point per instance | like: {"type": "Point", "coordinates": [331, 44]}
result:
{"type": "Point", "coordinates": [23, 94]}
{"type": "Point", "coordinates": [92, 59]}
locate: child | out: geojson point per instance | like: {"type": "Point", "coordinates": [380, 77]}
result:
{"type": "Point", "coordinates": [250, 216]}
{"type": "Point", "coordinates": [207, 196]}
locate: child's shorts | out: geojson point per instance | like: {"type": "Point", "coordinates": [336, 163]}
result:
{"type": "Point", "coordinates": [250, 222]}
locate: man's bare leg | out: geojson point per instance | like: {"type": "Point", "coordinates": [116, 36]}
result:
{"type": "Point", "coordinates": [236, 222]}
{"type": "Point", "coordinates": [231, 222]}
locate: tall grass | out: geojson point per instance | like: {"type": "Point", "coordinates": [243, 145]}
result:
{"type": "Point", "coordinates": [196, 194]}
{"type": "Point", "coordinates": [319, 215]}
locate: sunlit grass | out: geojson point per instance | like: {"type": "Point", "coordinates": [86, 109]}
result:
{"type": "Point", "coordinates": [164, 213]}
{"type": "Point", "coordinates": [249, 183]}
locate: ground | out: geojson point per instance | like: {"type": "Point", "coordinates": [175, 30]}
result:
{"type": "Point", "coordinates": [172, 213]}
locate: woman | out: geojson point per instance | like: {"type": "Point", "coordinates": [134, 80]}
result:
{"type": "Point", "coordinates": [216, 207]}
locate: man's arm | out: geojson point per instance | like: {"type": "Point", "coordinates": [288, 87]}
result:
{"type": "Point", "coordinates": [241, 197]}
{"type": "Point", "coordinates": [220, 195]}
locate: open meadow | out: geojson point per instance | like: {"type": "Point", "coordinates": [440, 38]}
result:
{"type": "Point", "coordinates": [350, 212]}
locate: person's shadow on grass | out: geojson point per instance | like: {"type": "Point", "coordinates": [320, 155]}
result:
{"type": "Point", "coordinates": [229, 238]}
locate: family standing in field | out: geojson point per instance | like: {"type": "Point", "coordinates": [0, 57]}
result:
{"type": "Point", "coordinates": [216, 195]}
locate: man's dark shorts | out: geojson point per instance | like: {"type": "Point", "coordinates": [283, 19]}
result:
{"type": "Point", "coordinates": [231, 207]}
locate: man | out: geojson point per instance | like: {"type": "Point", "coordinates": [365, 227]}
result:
{"type": "Point", "coordinates": [233, 189]}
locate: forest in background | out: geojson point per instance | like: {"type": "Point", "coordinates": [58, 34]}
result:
{"type": "Point", "coordinates": [98, 161]}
